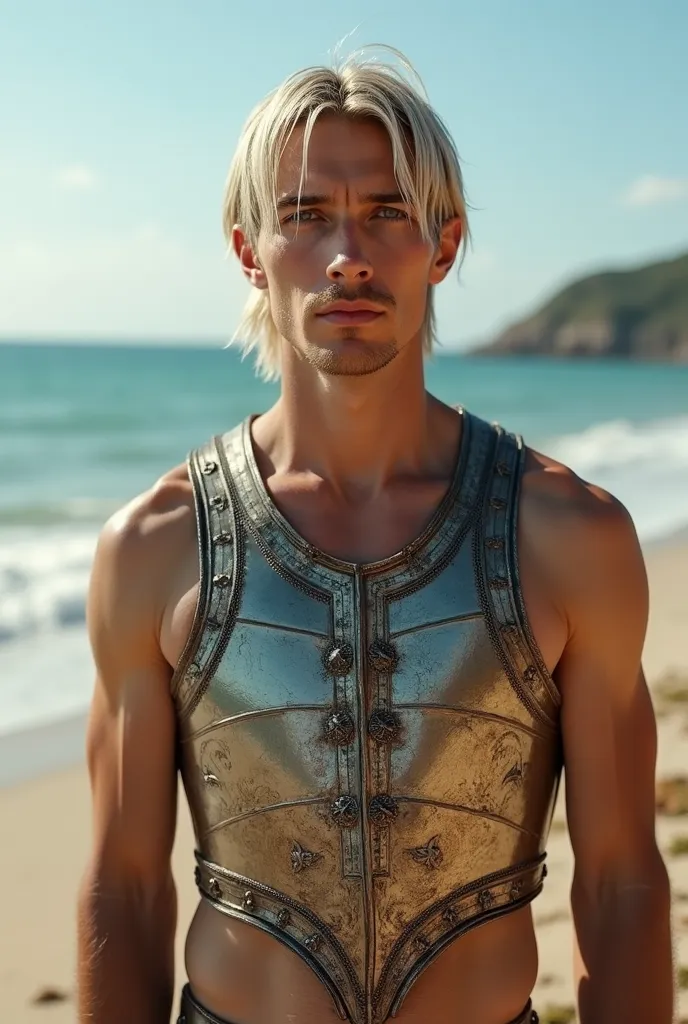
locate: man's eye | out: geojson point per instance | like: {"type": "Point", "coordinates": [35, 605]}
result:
{"type": "Point", "coordinates": [391, 213]}
{"type": "Point", "coordinates": [300, 216]}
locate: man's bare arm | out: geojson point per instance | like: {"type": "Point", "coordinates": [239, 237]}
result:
{"type": "Point", "coordinates": [127, 902]}
{"type": "Point", "coordinates": [620, 894]}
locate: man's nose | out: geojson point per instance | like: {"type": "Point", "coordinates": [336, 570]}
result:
{"type": "Point", "coordinates": [350, 265]}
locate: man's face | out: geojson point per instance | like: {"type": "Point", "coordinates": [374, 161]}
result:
{"type": "Point", "coordinates": [348, 270]}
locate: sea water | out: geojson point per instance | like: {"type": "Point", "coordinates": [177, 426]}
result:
{"type": "Point", "coordinates": [85, 428]}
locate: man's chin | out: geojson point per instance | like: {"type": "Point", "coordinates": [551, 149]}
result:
{"type": "Point", "coordinates": [350, 356]}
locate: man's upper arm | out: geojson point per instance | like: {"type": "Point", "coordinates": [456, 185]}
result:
{"type": "Point", "coordinates": [131, 732]}
{"type": "Point", "coordinates": [608, 724]}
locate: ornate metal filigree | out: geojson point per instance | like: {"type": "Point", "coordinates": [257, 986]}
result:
{"type": "Point", "coordinates": [421, 942]}
{"type": "Point", "coordinates": [284, 918]}
{"type": "Point", "coordinates": [218, 502]}
{"type": "Point", "coordinates": [222, 538]}
{"type": "Point", "coordinates": [339, 659]}
{"type": "Point", "coordinates": [340, 728]}
{"type": "Point", "coordinates": [384, 726]}
{"type": "Point", "coordinates": [451, 916]}
{"type": "Point", "coordinates": [495, 543]}
{"type": "Point", "coordinates": [499, 583]}
{"type": "Point", "coordinates": [530, 673]}
{"type": "Point", "coordinates": [516, 889]}
{"type": "Point", "coordinates": [485, 899]}
{"type": "Point", "coordinates": [383, 656]}
{"type": "Point", "coordinates": [344, 811]}
{"type": "Point", "coordinates": [222, 580]}
{"type": "Point", "coordinates": [383, 808]}
{"type": "Point", "coordinates": [430, 855]}
{"type": "Point", "coordinates": [209, 467]}
{"type": "Point", "coordinates": [312, 943]}
{"type": "Point", "coordinates": [214, 888]}
{"type": "Point", "coordinates": [302, 858]}
{"type": "Point", "coordinates": [249, 901]}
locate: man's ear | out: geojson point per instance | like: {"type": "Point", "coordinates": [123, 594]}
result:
{"type": "Point", "coordinates": [447, 248]}
{"type": "Point", "coordinates": [252, 270]}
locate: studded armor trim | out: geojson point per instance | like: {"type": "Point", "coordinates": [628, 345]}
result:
{"type": "Point", "coordinates": [371, 753]}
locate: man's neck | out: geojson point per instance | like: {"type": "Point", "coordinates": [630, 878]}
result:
{"type": "Point", "coordinates": [358, 433]}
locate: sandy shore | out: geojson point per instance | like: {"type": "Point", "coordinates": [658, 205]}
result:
{"type": "Point", "coordinates": [46, 832]}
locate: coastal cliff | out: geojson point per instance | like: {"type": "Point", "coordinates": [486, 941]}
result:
{"type": "Point", "coordinates": [631, 314]}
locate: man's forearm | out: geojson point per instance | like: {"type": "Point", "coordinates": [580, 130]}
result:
{"type": "Point", "coordinates": [125, 954]}
{"type": "Point", "coordinates": [624, 968]}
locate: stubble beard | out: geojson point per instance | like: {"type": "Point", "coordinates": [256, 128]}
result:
{"type": "Point", "coordinates": [361, 361]}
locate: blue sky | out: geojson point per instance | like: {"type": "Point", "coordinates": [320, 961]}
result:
{"type": "Point", "coordinates": [118, 122]}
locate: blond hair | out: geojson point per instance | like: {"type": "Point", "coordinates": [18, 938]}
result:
{"type": "Point", "coordinates": [430, 181]}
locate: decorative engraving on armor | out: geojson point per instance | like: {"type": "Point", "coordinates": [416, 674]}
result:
{"type": "Point", "coordinates": [210, 779]}
{"type": "Point", "coordinates": [193, 669]}
{"type": "Point", "coordinates": [302, 858]}
{"type": "Point", "coordinates": [502, 469]}
{"type": "Point", "coordinates": [339, 728]}
{"type": "Point", "coordinates": [283, 918]}
{"type": "Point", "coordinates": [209, 467]}
{"type": "Point", "coordinates": [497, 503]}
{"type": "Point", "coordinates": [218, 502]}
{"type": "Point", "coordinates": [515, 890]}
{"type": "Point", "coordinates": [514, 774]}
{"type": "Point", "coordinates": [421, 942]}
{"type": "Point", "coordinates": [384, 725]}
{"type": "Point", "coordinates": [383, 656]}
{"type": "Point", "coordinates": [383, 808]}
{"type": "Point", "coordinates": [344, 811]}
{"type": "Point", "coordinates": [451, 915]}
{"type": "Point", "coordinates": [222, 580]}
{"type": "Point", "coordinates": [430, 854]}
{"type": "Point", "coordinates": [197, 875]}
{"type": "Point", "coordinates": [338, 659]}
{"type": "Point", "coordinates": [222, 538]}
{"type": "Point", "coordinates": [499, 583]}
{"type": "Point", "coordinates": [495, 543]}
{"type": "Point", "coordinates": [530, 674]}
{"type": "Point", "coordinates": [509, 629]}
{"type": "Point", "coordinates": [214, 888]}
{"type": "Point", "coordinates": [249, 901]}
{"type": "Point", "coordinates": [312, 943]}
{"type": "Point", "coordinates": [485, 899]}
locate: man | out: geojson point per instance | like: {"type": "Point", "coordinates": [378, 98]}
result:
{"type": "Point", "coordinates": [367, 628]}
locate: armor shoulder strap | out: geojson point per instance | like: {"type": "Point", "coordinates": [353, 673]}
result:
{"type": "Point", "coordinates": [218, 544]}
{"type": "Point", "coordinates": [498, 567]}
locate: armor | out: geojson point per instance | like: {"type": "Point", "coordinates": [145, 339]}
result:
{"type": "Point", "coordinates": [371, 753]}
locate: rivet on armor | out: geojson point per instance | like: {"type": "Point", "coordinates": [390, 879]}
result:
{"type": "Point", "coordinates": [339, 728]}
{"type": "Point", "coordinates": [383, 656]}
{"type": "Point", "coordinates": [283, 918]}
{"type": "Point", "coordinates": [530, 673]}
{"type": "Point", "coordinates": [312, 943]}
{"type": "Point", "coordinates": [502, 469]}
{"type": "Point", "coordinates": [515, 890]}
{"type": "Point", "coordinates": [197, 875]}
{"type": "Point", "coordinates": [383, 808]}
{"type": "Point", "coordinates": [214, 888]}
{"type": "Point", "coordinates": [209, 467]}
{"type": "Point", "coordinates": [485, 899]}
{"type": "Point", "coordinates": [222, 538]}
{"type": "Point", "coordinates": [497, 503]}
{"type": "Point", "coordinates": [383, 726]}
{"type": "Point", "coordinates": [249, 901]}
{"type": "Point", "coordinates": [338, 659]}
{"type": "Point", "coordinates": [430, 855]}
{"type": "Point", "coordinates": [421, 942]}
{"type": "Point", "coordinates": [496, 543]}
{"type": "Point", "coordinates": [344, 811]}
{"type": "Point", "coordinates": [499, 583]}
{"type": "Point", "coordinates": [222, 580]}
{"type": "Point", "coordinates": [218, 502]}
{"type": "Point", "coordinates": [451, 916]}
{"type": "Point", "coordinates": [301, 858]}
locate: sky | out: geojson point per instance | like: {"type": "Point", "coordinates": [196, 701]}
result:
{"type": "Point", "coordinates": [118, 122]}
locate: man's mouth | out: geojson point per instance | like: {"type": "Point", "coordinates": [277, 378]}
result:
{"type": "Point", "coordinates": [350, 313]}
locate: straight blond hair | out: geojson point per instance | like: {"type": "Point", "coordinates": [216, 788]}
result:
{"type": "Point", "coordinates": [426, 166]}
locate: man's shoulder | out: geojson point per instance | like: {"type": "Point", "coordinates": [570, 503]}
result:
{"type": "Point", "coordinates": [582, 530]}
{"type": "Point", "coordinates": [142, 540]}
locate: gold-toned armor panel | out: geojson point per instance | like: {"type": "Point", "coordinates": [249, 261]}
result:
{"type": "Point", "coordinates": [371, 753]}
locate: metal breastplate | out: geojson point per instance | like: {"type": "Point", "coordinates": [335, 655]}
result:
{"type": "Point", "coordinates": [371, 754]}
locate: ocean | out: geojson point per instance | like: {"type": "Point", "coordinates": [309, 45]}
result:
{"type": "Point", "coordinates": [83, 428]}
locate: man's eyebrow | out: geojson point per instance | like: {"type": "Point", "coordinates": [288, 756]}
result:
{"type": "Point", "coordinates": [287, 202]}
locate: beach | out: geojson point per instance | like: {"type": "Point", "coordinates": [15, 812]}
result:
{"type": "Point", "coordinates": [46, 823]}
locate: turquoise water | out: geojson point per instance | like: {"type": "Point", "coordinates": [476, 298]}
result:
{"type": "Point", "coordinates": [84, 428]}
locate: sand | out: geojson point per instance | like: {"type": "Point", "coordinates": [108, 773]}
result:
{"type": "Point", "coordinates": [45, 834]}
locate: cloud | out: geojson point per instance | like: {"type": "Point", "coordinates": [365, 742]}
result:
{"type": "Point", "coordinates": [652, 189]}
{"type": "Point", "coordinates": [77, 178]}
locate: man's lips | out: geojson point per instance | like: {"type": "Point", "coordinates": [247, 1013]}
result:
{"type": "Point", "coordinates": [350, 313]}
